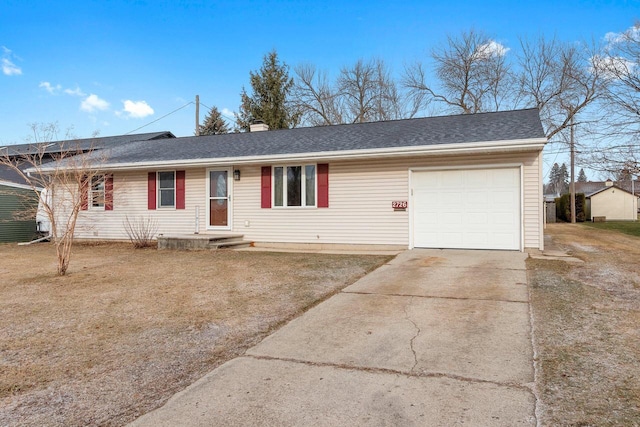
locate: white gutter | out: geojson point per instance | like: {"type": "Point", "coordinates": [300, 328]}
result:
{"type": "Point", "coordinates": [441, 149]}
{"type": "Point", "coordinates": [15, 185]}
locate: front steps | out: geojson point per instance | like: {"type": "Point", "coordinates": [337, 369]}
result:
{"type": "Point", "coordinates": [202, 241]}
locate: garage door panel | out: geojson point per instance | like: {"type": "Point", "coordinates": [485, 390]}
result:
{"type": "Point", "coordinates": [477, 218]}
{"type": "Point", "coordinates": [474, 209]}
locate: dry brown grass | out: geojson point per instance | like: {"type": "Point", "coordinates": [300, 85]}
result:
{"type": "Point", "coordinates": [587, 329]}
{"type": "Point", "coordinates": [126, 329]}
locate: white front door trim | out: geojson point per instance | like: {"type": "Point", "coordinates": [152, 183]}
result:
{"type": "Point", "coordinates": [228, 198]}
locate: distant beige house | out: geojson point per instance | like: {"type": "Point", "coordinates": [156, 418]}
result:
{"type": "Point", "coordinates": [614, 203]}
{"type": "Point", "coordinates": [465, 181]}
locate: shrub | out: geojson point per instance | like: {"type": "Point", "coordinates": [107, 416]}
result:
{"type": "Point", "coordinates": [563, 207]}
{"type": "Point", "coordinates": [141, 231]}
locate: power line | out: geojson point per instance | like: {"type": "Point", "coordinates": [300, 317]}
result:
{"type": "Point", "coordinates": [160, 118]}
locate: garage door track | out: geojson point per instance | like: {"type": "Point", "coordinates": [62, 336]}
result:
{"type": "Point", "coordinates": [432, 338]}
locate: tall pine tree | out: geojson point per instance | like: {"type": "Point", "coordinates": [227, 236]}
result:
{"type": "Point", "coordinates": [214, 123]}
{"type": "Point", "coordinates": [563, 179]}
{"type": "Point", "coordinates": [582, 177]}
{"type": "Point", "coordinates": [269, 100]}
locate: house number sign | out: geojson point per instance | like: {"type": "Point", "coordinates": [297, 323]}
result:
{"type": "Point", "coordinates": [399, 205]}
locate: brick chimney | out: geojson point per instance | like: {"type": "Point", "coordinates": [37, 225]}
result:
{"type": "Point", "coordinates": [258, 126]}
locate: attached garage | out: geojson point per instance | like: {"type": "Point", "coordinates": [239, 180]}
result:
{"type": "Point", "coordinates": [471, 208]}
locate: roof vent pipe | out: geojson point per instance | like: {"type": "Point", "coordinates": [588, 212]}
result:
{"type": "Point", "coordinates": [258, 126]}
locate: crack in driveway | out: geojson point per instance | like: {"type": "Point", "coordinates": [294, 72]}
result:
{"type": "Point", "coordinates": [406, 316]}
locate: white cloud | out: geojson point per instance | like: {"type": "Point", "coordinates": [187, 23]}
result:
{"type": "Point", "coordinates": [136, 109]}
{"type": "Point", "coordinates": [631, 34]}
{"type": "Point", "coordinates": [490, 49]}
{"type": "Point", "coordinates": [92, 103]}
{"type": "Point", "coordinates": [9, 68]}
{"type": "Point", "coordinates": [49, 87]}
{"type": "Point", "coordinates": [612, 67]}
{"type": "Point", "coordinates": [75, 92]}
{"type": "Point", "coordinates": [227, 113]}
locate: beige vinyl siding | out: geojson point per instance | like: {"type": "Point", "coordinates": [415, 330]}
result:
{"type": "Point", "coordinates": [360, 196]}
{"type": "Point", "coordinates": [130, 199]}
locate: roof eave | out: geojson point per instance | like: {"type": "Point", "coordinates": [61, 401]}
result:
{"type": "Point", "coordinates": [426, 150]}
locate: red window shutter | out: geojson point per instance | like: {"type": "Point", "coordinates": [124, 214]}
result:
{"type": "Point", "coordinates": [323, 185]}
{"type": "Point", "coordinates": [84, 193]}
{"type": "Point", "coordinates": [151, 191]}
{"type": "Point", "coordinates": [180, 189]}
{"type": "Point", "coordinates": [108, 192]}
{"type": "Point", "coordinates": [266, 187]}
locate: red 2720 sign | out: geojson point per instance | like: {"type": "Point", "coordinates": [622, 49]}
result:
{"type": "Point", "coordinates": [399, 204]}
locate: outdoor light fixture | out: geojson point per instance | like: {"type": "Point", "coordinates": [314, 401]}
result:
{"type": "Point", "coordinates": [236, 175]}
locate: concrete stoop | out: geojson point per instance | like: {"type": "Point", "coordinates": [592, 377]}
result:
{"type": "Point", "coordinates": [202, 241]}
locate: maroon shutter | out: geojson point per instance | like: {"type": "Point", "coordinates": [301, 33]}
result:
{"type": "Point", "coordinates": [180, 189]}
{"type": "Point", "coordinates": [266, 187]}
{"type": "Point", "coordinates": [151, 191]}
{"type": "Point", "coordinates": [323, 185]}
{"type": "Point", "coordinates": [108, 192]}
{"type": "Point", "coordinates": [84, 193]}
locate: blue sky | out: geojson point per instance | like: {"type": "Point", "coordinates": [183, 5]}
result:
{"type": "Point", "coordinates": [115, 66]}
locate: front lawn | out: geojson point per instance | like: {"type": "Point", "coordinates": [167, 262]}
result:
{"type": "Point", "coordinates": [586, 318]}
{"type": "Point", "coordinates": [126, 329]}
{"type": "Point", "coordinates": [631, 228]}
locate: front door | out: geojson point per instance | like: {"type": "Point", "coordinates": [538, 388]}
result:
{"type": "Point", "coordinates": [219, 208]}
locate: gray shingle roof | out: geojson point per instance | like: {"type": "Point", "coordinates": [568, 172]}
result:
{"type": "Point", "coordinates": [86, 144]}
{"type": "Point", "coordinates": [590, 188]}
{"type": "Point", "coordinates": [483, 127]}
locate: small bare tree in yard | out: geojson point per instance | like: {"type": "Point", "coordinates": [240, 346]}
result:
{"type": "Point", "coordinates": [141, 231]}
{"type": "Point", "coordinates": [70, 177]}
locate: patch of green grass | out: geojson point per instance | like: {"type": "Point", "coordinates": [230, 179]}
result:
{"type": "Point", "coordinates": [627, 227]}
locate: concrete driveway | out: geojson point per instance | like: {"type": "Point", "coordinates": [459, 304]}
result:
{"type": "Point", "coordinates": [433, 338]}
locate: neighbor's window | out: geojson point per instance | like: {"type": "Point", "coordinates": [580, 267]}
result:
{"type": "Point", "coordinates": [294, 185]}
{"type": "Point", "coordinates": [167, 189]}
{"type": "Point", "coordinates": [96, 192]}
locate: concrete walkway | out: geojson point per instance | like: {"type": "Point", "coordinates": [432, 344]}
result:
{"type": "Point", "coordinates": [433, 338]}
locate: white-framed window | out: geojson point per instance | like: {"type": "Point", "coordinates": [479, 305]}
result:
{"type": "Point", "coordinates": [97, 192]}
{"type": "Point", "coordinates": [294, 186]}
{"type": "Point", "coordinates": [167, 189]}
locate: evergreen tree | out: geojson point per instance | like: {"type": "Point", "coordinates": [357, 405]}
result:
{"type": "Point", "coordinates": [582, 177]}
{"type": "Point", "coordinates": [269, 100]}
{"type": "Point", "coordinates": [553, 179]}
{"type": "Point", "coordinates": [563, 179]}
{"type": "Point", "coordinates": [214, 123]}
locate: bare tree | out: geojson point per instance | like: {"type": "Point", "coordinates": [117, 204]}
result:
{"type": "Point", "coordinates": [559, 79]}
{"type": "Point", "coordinates": [617, 147]}
{"type": "Point", "coordinates": [472, 76]}
{"type": "Point", "coordinates": [68, 175]}
{"type": "Point", "coordinates": [362, 92]}
{"type": "Point", "coordinates": [316, 97]}
{"type": "Point", "coordinates": [620, 68]}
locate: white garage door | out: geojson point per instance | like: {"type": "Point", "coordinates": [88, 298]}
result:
{"type": "Point", "coordinates": [466, 209]}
